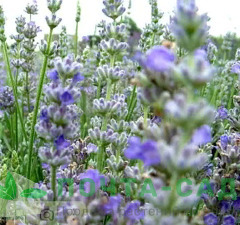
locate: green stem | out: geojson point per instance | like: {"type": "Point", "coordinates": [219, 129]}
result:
{"type": "Point", "coordinates": [27, 90]}
{"type": "Point", "coordinates": [118, 154]}
{"type": "Point", "coordinates": [35, 113]}
{"type": "Point", "coordinates": [14, 89]}
{"type": "Point", "coordinates": [16, 115]}
{"type": "Point", "coordinates": [173, 195]}
{"type": "Point", "coordinates": [12, 132]}
{"type": "Point", "coordinates": [53, 182]}
{"type": "Point", "coordinates": [213, 99]}
{"type": "Point", "coordinates": [100, 158]}
{"type": "Point", "coordinates": [133, 94]}
{"type": "Point", "coordinates": [109, 89]}
{"type": "Point", "coordinates": [76, 40]}
{"type": "Point", "coordinates": [146, 109]}
{"type": "Point", "coordinates": [84, 115]}
{"type": "Point", "coordinates": [99, 88]}
{"type": "Point", "coordinates": [105, 122]}
{"type": "Point", "coordinates": [230, 101]}
{"type": "Point", "coordinates": [16, 131]}
{"type": "Point", "coordinates": [153, 39]}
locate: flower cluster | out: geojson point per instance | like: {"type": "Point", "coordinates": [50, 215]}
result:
{"type": "Point", "coordinates": [189, 28]}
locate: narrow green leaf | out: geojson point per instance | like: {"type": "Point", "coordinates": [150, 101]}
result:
{"type": "Point", "coordinates": [33, 193]}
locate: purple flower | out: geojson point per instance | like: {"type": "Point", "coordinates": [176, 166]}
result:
{"type": "Point", "coordinates": [113, 204]}
{"type": "Point", "coordinates": [77, 77]}
{"type": "Point", "coordinates": [210, 219]}
{"type": "Point", "coordinates": [224, 139]}
{"type": "Point", "coordinates": [236, 204]}
{"type": "Point", "coordinates": [53, 75]}
{"type": "Point", "coordinates": [91, 148]}
{"type": "Point", "coordinates": [66, 98]}
{"type": "Point", "coordinates": [208, 169]}
{"type": "Point", "coordinates": [61, 143]}
{"type": "Point", "coordinates": [44, 115]}
{"type": "Point", "coordinates": [188, 26]}
{"type": "Point", "coordinates": [45, 166]}
{"type": "Point", "coordinates": [225, 206]}
{"type": "Point", "coordinates": [222, 113]}
{"type": "Point", "coordinates": [159, 59]}
{"type": "Point", "coordinates": [236, 68]}
{"type": "Point", "coordinates": [55, 157]}
{"type": "Point", "coordinates": [228, 220]}
{"type": "Point", "coordinates": [156, 119]}
{"type": "Point", "coordinates": [133, 212]}
{"type": "Point", "coordinates": [85, 39]}
{"type": "Point", "coordinates": [202, 135]}
{"type": "Point", "coordinates": [147, 151]}
{"type": "Point", "coordinates": [93, 175]}
{"type": "Point", "coordinates": [201, 54]}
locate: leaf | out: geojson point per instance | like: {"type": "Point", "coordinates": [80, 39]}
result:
{"type": "Point", "coordinates": [9, 192]}
{"type": "Point", "coordinates": [33, 193]}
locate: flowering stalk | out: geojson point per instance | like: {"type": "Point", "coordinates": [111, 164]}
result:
{"type": "Point", "coordinates": [109, 82]}
{"type": "Point", "coordinates": [36, 107]}
{"type": "Point", "coordinates": [16, 116]}
{"type": "Point", "coordinates": [52, 22]}
{"type": "Point", "coordinates": [101, 154]}
{"type": "Point", "coordinates": [6, 58]}
{"type": "Point", "coordinates": [76, 31]}
{"type": "Point", "coordinates": [14, 89]}
{"type": "Point", "coordinates": [76, 40]}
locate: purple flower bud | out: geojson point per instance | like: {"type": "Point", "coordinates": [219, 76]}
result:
{"type": "Point", "coordinates": [229, 220]}
{"type": "Point", "coordinates": [159, 59]}
{"type": "Point", "coordinates": [113, 204]}
{"type": "Point", "coordinates": [66, 98]}
{"type": "Point", "coordinates": [202, 135]}
{"type": "Point", "coordinates": [224, 141]}
{"type": "Point", "coordinates": [44, 115]}
{"type": "Point", "coordinates": [236, 205]}
{"type": "Point", "coordinates": [53, 75]}
{"type": "Point", "coordinates": [222, 113]}
{"type": "Point", "coordinates": [130, 212]}
{"type": "Point", "coordinates": [147, 151]}
{"type": "Point", "coordinates": [85, 39]}
{"type": "Point", "coordinates": [61, 143]}
{"type": "Point", "coordinates": [236, 68]}
{"type": "Point", "coordinates": [77, 77]}
{"type": "Point", "coordinates": [225, 206]}
{"type": "Point", "coordinates": [91, 148]}
{"type": "Point", "coordinates": [210, 219]}
{"type": "Point", "coordinates": [93, 175]}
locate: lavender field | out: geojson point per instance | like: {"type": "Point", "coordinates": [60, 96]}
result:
{"type": "Point", "coordinates": [128, 126]}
